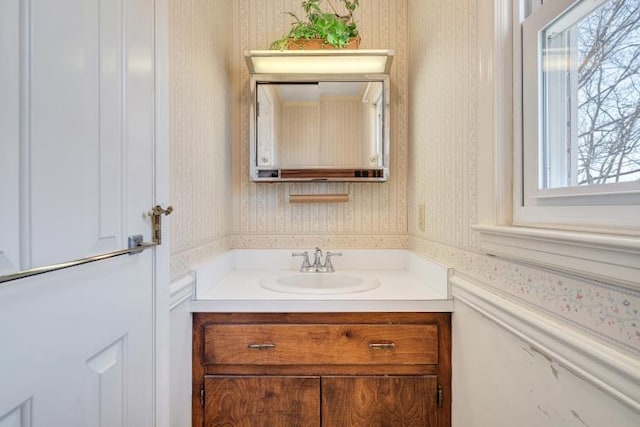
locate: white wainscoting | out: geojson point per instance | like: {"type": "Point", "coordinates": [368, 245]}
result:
{"type": "Point", "coordinates": [547, 371]}
{"type": "Point", "coordinates": [180, 294]}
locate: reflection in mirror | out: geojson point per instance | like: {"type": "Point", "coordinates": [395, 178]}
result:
{"type": "Point", "coordinates": [320, 126]}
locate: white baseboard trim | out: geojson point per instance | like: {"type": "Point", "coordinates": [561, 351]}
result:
{"type": "Point", "coordinates": [613, 371]}
{"type": "Point", "coordinates": [181, 290]}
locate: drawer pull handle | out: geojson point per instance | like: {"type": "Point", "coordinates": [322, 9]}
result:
{"type": "Point", "coordinates": [261, 346]}
{"type": "Point", "coordinates": [382, 345]}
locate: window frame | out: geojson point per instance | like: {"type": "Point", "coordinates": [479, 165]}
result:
{"type": "Point", "coordinates": [589, 231]}
{"type": "Point", "coordinates": [611, 208]}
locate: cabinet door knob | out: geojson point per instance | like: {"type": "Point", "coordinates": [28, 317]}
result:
{"type": "Point", "coordinates": [261, 346]}
{"type": "Point", "coordinates": [382, 345]}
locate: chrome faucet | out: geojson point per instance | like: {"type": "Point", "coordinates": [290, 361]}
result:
{"type": "Point", "coordinates": [306, 265]}
{"type": "Point", "coordinates": [317, 265]}
{"type": "Point", "coordinates": [317, 259]}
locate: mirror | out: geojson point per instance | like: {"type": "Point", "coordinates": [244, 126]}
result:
{"type": "Point", "coordinates": [331, 130]}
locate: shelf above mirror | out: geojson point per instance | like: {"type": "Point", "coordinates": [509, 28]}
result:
{"type": "Point", "coordinates": [324, 61]}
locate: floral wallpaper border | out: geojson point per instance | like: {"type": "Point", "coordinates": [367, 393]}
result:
{"type": "Point", "coordinates": [610, 313]}
{"type": "Point", "coordinates": [294, 241]}
{"type": "Point", "coordinates": [183, 262]}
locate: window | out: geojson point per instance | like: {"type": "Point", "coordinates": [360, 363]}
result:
{"type": "Point", "coordinates": [575, 68]}
{"type": "Point", "coordinates": [581, 116]}
{"type": "Point", "coordinates": [591, 96]}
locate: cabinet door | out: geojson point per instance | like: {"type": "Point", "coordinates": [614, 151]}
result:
{"type": "Point", "coordinates": [379, 401]}
{"type": "Point", "coordinates": [262, 401]}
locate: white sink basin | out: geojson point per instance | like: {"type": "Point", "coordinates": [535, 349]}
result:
{"type": "Point", "coordinates": [320, 283]}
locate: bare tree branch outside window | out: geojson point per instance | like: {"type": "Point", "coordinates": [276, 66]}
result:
{"type": "Point", "coordinates": [608, 48]}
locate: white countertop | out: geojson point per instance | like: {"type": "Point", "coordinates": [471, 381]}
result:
{"type": "Point", "coordinates": [409, 283]}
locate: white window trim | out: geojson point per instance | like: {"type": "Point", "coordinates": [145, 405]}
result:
{"type": "Point", "coordinates": [564, 208]}
{"type": "Point", "coordinates": [506, 230]}
{"type": "Point", "coordinates": [607, 258]}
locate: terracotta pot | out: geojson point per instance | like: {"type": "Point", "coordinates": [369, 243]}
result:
{"type": "Point", "coordinates": [314, 44]}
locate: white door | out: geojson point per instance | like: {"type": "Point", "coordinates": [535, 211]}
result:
{"type": "Point", "coordinates": [76, 179]}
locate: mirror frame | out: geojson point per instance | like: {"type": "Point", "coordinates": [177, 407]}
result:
{"type": "Point", "coordinates": [275, 174]}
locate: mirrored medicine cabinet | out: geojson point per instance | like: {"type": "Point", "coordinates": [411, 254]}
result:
{"type": "Point", "coordinates": [307, 125]}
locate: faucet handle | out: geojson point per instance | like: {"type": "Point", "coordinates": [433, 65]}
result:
{"type": "Point", "coordinates": [306, 265]}
{"type": "Point", "coordinates": [328, 266]}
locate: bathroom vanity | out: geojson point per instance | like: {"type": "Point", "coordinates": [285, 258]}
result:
{"type": "Point", "coordinates": [270, 356]}
{"type": "Point", "coordinates": [322, 369]}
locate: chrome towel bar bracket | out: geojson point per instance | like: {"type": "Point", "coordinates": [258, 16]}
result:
{"type": "Point", "coordinates": [55, 267]}
{"type": "Point", "coordinates": [135, 246]}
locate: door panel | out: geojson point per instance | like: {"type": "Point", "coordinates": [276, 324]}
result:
{"type": "Point", "coordinates": [74, 105]}
{"type": "Point", "coordinates": [262, 401]}
{"type": "Point", "coordinates": [9, 137]}
{"type": "Point", "coordinates": [111, 136]}
{"type": "Point", "coordinates": [379, 401]}
{"type": "Point", "coordinates": [56, 326]}
{"type": "Point", "coordinates": [77, 344]}
{"type": "Point", "coordinates": [106, 386]}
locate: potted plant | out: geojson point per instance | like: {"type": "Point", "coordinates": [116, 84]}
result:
{"type": "Point", "coordinates": [322, 28]}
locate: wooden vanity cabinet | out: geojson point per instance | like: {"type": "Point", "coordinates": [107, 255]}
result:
{"type": "Point", "coordinates": [322, 369]}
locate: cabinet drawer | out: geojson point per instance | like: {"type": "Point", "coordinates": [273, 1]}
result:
{"type": "Point", "coordinates": [313, 344]}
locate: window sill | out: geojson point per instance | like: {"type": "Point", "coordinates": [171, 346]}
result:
{"type": "Point", "coordinates": [608, 258]}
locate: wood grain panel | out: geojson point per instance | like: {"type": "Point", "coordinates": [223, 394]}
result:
{"type": "Point", "coordinates": [411, 384]}
{"type": "Point", "coordinates": [262, 401]}
{"type": "Point", "coordinates": [382, 369]}
{"type": "Point", "coordinates": [379, 401]}
{"type": "Point", "coordinates": [321, 344]}
{"type": "Point", "coordinates": [318, 198]}
{"type": "Point", "coordinates": [322, 173]}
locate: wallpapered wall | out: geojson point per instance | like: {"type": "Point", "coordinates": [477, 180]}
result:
{"type": "Point", "coordinates": [200, 172]}
{"type": "Point", "coordinates": [434, 158]}
{"type": "Point", "coordinates": [376, 213]}
{"type": "Point", "coordinates": [442, 86]}
{"type": "Point", "coordinates": [443, 175]}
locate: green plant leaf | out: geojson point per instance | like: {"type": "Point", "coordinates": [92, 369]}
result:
{"type": "Point", "coordinates": [327, 25]}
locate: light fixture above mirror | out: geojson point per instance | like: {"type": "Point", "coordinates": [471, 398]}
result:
{"type": "Point", "coordinates": [325, 61]}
